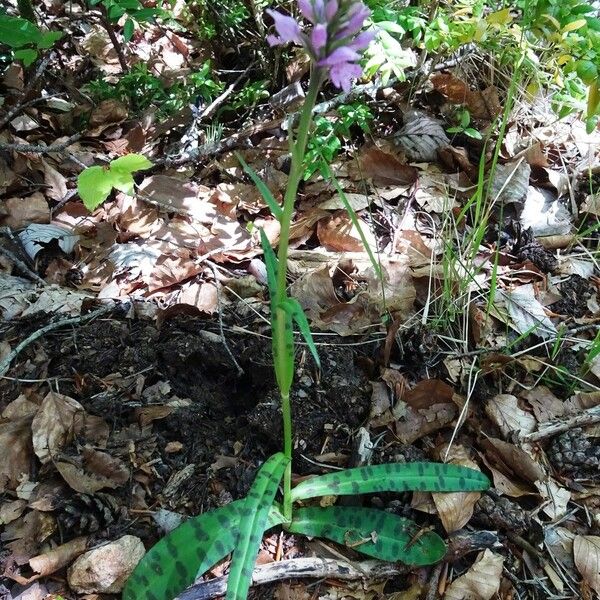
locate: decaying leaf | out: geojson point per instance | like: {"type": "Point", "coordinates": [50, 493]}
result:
{"type": "Point", "coordinates": [504, 411]}
{"type": "Point", "coordinates": [384, 168]}
{"type": "Point", "coordinates": [481, 581]}
{"type": "Point", "coordinates": [421, 136]}
{"type": "Point", "coordinates": [526, 312]}
{"type": "Point", "coordinates": [586, 552]}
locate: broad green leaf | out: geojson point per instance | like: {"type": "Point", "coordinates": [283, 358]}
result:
{"type": "Point", "coordinates": [128, 29]}
{"type": "Point", "coordinates": [393, 477]}
{"type": "Point", "coordinates": [253, 522]}
{"type": "Point", "coordinates": [130, 163]}
{"type": "Point", "coordinates": [94, 184]}
{"type": "Point", "coordinates": [16, 32]}
{"type": "Point", "coordinates": [173, 564]}
{"type": "Point", "coordinates": [48, 38]}
{"type": "Point", "coordinates": [292, 307]}
{"type": "Point", "coordinates": [265, 192]}
{"type": "Point", "coordinates": [372, 532]}
{"type": "Point", "coordinates": [27, 55]}
{"type": "Point", "coordinates": [122, 180]}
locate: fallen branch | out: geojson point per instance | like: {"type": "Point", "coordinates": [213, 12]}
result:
{"type": "Point", "coordinates": [5, 363]}
{"type": "Point", "coordinates": [21, 266]}
{"type": "Point", "coordinates": [549, 429]}
{"type": "Point", "coordinates": [41, 149]}
{"type": "Point", "coordinates": [300, 568]}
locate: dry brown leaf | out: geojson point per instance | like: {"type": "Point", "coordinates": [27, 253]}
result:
{"type": "Point", "coordinates": [338, 234]}
{"type": "Point", "coordinates": [108, 112]}
{"type": "Point", "coordinates": [545, 405]}
{"type": "Point", "coordinates": [27, 532]}
{"type": "Point", "coordinates": [16, 452]}
{"type": "Point", "coordinates": [416, 423]}
{"type": "Point", "coordinates": [57, 558]}
{"type": "Point", "coordinates": [586, 552]}
{"type": "Point", "coordinates": [456, 509]}
{"type": "Point", "coordinates": [56, 184]}
{"type": "Point", "coordinates": [147, 414]}
{"type": "Point", "coordinates": [480, 582]}
{"type": "Point", "coordinates": [481, 105]}
{"type": "Point", "coordinates": [428, 392]}
{"type": "Point", "coordinates": [20, 212]}
{"type": "Point", "coordinates": [557, 498]}
{"type": "Point", "coordinates": [9, 511]}
{"type": "Point", "coordinates": [410, 243]}
{"type": "Point", "coordinates": [20, 408]}
{"type": "Point", "coordinates": [94, 471]}
{"type": "Point", "coordinates": [53, 425]}
{"type": "Point", "coordinates": [504, 411]}
{"type": "Point", "coordinates": [512, 461]}
{"type": "Point", "coordinates": [508, 486]}
{"type": "Point", "coordinates": [384, 168]}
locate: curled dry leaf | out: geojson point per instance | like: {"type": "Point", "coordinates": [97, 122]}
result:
{"type": "Point", "coordinates": [504, 411]}
{"type": "Point", "coordinates": [338, 234]}
{"type": "Point", "coordinates": [417, 422]}
{"type": "Point", "coordinates": [512, 461]}
{"type": "Point", "coordinates": [586, 552]}
{"type": "Point", "coordinates": [480, 582]}
{"type": "Point", "coordinates": [384, 168]}
{"type": "Point", "coordinates": [456, 508]}
{"type": "Point", "coordinates": [53, 425]}
{"type": "Point", "coordinates": [57, 558]}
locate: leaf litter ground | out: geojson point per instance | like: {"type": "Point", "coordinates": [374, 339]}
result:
{"type": "Point", "coordinates": [115, 429]}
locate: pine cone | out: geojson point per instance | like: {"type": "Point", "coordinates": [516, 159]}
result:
{"type": "Point", "coordinates": [574, 454]}
{"type": "Point", "coordinates": [84, 513]}
{"type": "Point", "coordinates": [501, 513]}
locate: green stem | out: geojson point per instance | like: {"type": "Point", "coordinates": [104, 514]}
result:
{"type": "Point", "coordinates": [297, 167]}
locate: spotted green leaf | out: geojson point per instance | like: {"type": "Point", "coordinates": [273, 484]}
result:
{"type": "Point", "coordinates": [372, 532]}
{"type": "Point", "coordinates": [265, 192]}
{"type": "Point", "coordinates": [253, 522]}
{"type": "Point", "coordinates": [173, 564]}
{"type": "Point", "coordinates": [393, 477]}
{"type": "Point", "coordinates": [293, 309]}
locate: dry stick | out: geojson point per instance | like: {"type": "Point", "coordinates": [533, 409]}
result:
{"type": "Point", "coordinates": [587, 417]}
{"type": "Point", "coordinates": [35, 149]}
{"type": "Point", "coordinates": [5, 363]}
{"type": "Point", "coordinates": [19, 106]}
{"type": "Point", "coordinates": [21, 266]}
{"type": "Point", "coordinates": [297, 568]}
{"type": "Point", "coordinates": [113, 38]}
{"type": "Point", "coordinates": [434, 582]}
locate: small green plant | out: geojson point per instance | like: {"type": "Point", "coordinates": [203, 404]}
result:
{"type": "Point", "coordinates": [329, 133]}
{"type": "Point", "coordinates": [173, 563]}
{"type": "Point", "coordinates": [140, 90]}
{"type": "Point", "coordinates": [94, 184]}
{"type": "Point", "coordinates": [24, 38]}
{"type": "Point", "coordinates": [464, 119]}
{"type": "Point", "coordinates": [134, 11]}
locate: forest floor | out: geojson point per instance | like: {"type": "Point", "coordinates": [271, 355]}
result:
{"type": "Point", "coordinates": [137, 385]}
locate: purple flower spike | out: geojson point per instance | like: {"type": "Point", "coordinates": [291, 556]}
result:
{"type": "Point", "coordinates": [339, 55]}
{"type": "Point", "coordinates": [287, 28]}
{"type": "Point", "coordinates": [333, 43]}
{"type": "Point", "coordinates": [343, 73]}
{"type": "Point", "coordinates": [331, 9]}
{"type": "Point", "coordinates": [306, 8]}
{"type": "Point", "coordinates": [318, 38]}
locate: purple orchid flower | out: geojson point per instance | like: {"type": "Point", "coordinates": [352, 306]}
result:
{"type": "Point", "coordinates": [334, 43]}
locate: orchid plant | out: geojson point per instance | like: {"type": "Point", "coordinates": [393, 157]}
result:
{"type": "Point", "coordinates": [334, 41]}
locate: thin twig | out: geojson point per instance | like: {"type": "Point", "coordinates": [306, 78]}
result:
{"type": "Point", "coordinates": [549, 429]}
{"type": "Point", "coordinates": [21, 266]}
{"type": "Point", "coordinates": [240, 371]}
{"type": "Point", "coordinates": [434, 581]}
{"type": "Point", "coordinates": [20, 105]}
{"type": "Point", "coordinates": [35, 149]}
{"type": "Point", "coordinates": [113, 38]}
{"type": "Point", "coordinates": [79, 320]}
